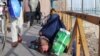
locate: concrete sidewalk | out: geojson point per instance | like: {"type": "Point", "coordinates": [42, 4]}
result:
{"type": "Point", "coordinates": [22, 49]}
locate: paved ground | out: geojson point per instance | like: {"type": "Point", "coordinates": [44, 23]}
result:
{"type": "Point", "coordinates": [22, 49]}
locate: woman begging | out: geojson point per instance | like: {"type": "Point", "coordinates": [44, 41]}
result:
{"type": "Point", "coordinates": [48, 31]}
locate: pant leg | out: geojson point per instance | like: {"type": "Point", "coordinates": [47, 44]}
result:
{"type": "Point", "coordinates": [38, 16]}
{"type": "Point", "coordinates": [32, 18]}
{"type": "Point", "coordinates": [44, 18]}
{"type": "Point", "coordinates": [20, 23]}
{"type": "Point", "coordinates": [3, 24]}
{"type": "Point", "coordinates": [28, 18]}
{"type": "Point", "coordinates": [14, 31]}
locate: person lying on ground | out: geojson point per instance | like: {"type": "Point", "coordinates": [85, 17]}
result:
{"type": "Point", "coordinates": [50, 29]}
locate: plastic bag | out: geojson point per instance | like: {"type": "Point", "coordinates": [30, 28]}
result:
{"type": "Point", "coordinates": [61, 41]}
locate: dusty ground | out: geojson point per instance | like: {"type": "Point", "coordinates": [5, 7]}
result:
{"type": "Point", "coordinates": [92, 35]}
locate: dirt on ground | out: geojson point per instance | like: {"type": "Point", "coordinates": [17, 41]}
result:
{"type": "Point", "coordinates": [92, 36]}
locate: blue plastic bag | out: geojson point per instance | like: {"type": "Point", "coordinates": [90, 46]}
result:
{"type": "Point", "coordinates": [14, 8]}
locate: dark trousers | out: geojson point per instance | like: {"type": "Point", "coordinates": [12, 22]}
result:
{"type": "Point", "coordinates": [38, 16]}
{"type": "Point", "coordinates": [30, 16]}
{"type": "Point", "coordinates": [27, 16]}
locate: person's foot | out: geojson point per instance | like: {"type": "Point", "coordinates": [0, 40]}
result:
{"type": "Point", "coordinates": [19, 38]}
{"type": "Point", "coordinates": [14, 44]}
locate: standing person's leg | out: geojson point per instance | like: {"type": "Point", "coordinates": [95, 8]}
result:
{"type": "Point", "coordinates": [14, 34]}
{"type": "Point", "coordinates": [32, 18]}
{"type": "Point", "coordinates": [28, 17]}
{"type": "Point", "coordinates": [42, 18]}
{"type": "Point", "coordinates": [8, 21]}
{"type": "Point", "coordinates": [20, 25]}
{"type": "Point", "coordinates": [3, 21]}
{"type": "Point", "coordinates": [38, 17]}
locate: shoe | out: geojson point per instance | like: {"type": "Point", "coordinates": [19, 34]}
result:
{"type": "Point", "coordinates": [19, 39]}
{"type": "Point", "coordinates": [14, 44]}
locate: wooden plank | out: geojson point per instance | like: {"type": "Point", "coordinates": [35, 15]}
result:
{"type": "Point", "coordinates": [77, 43]}
{"type": "Point", "coordinates": [72, 37]}
{"type": "Point", "coordinates": [83, 38]}
{"type": "Point", "coordinates": [69, 22]}
{"type": "Point", "coordinates": [65, 20]}
{"type": "Point", "coordinates": [90, 18]}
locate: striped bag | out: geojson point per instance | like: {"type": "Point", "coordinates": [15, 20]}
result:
{"type": "Point", "coordinates": [61, 41]}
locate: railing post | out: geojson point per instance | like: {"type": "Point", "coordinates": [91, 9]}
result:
{"type": "Point", "coordinates": [68, 25]}
{"type": "Point", "coordinates": [69, 22]}
{"type": "Point", "coordinates": [72, 37]}
{"type": "Point", "coordinates": [65, 20]}
{"type": "Point", "coordinates": [77, 43]}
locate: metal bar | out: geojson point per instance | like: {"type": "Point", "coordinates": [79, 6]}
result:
{"type": "Point", "coordinates": [65, 5]}
{"type": "Point", "coordinates": [82, 5]}
{"type": "Point", "coordinates": [99, 41]}
{"type": "Point", "coordinates": [71, 5]}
